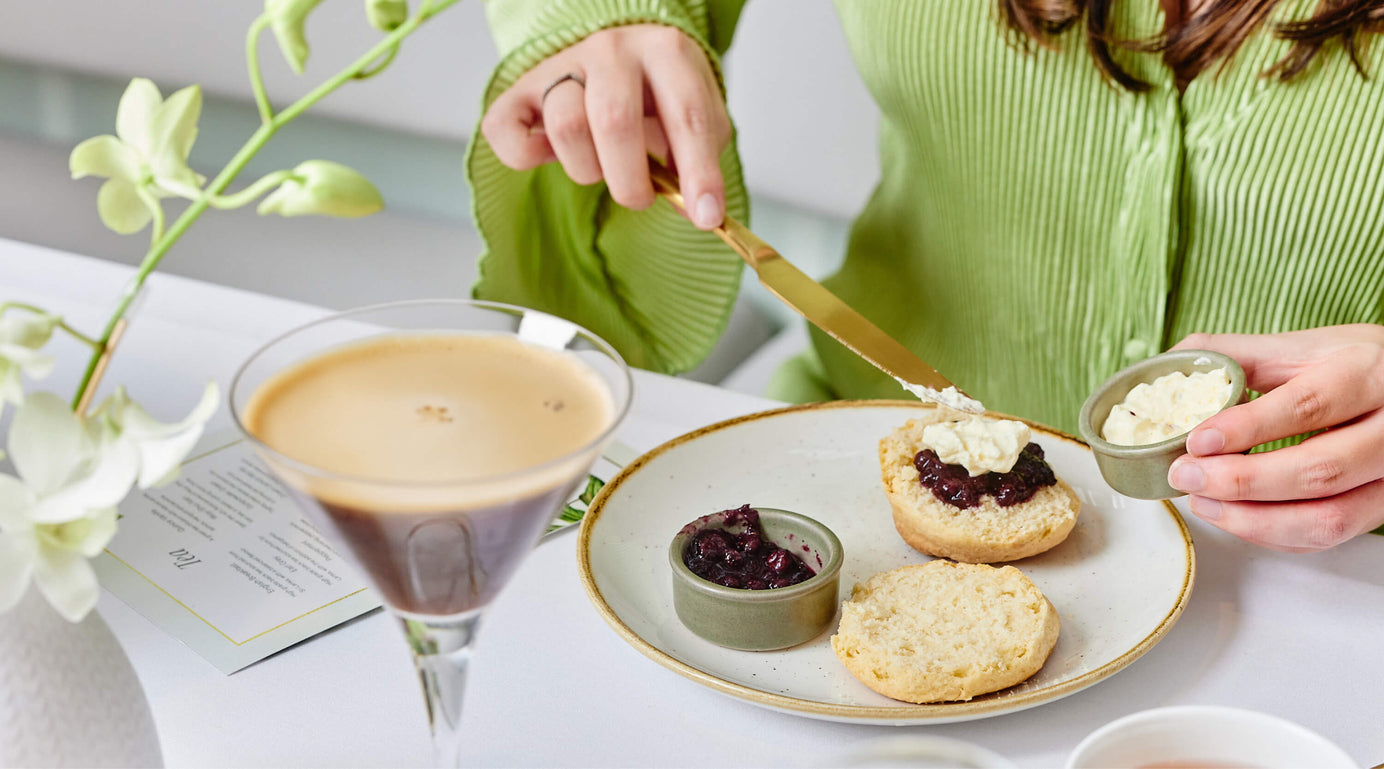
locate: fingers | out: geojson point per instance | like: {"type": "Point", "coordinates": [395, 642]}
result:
{"type": "Point", "coordinates": [1269, 360]}
{"type": "Point", "coordinates": [513, 128]}
{"type": "Point", "coordinates": [1325, 465]}
{"type": "Point", "coordinates": [691, 113]}
{"type": "Point", "coordinates": [1307, 497]}
{"type": "Point", "coordinates": [615, 109]}
{"type": "Point", "coordinates": [649, 89]}
{"type": "Point", "coordinates": [565, 123]}
{"type": "Point", "coordinates": [1330, 391]}
{"type": "Point", "coordinates": [1264, 357]}
{"type": "Point", "coordinates": [1297, 526]}
{"type": "Point", "coordinates": [655, 139]}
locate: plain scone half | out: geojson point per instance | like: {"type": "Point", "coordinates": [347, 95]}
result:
{"type": "Point", "coordinates": [986, 533]}
{"type": "Point", "coordinates": [945, 631]}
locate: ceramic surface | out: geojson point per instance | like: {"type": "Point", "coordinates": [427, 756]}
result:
{"type": "Point", "coordinates": [1119, 582]}
{"type": "Point", "coordinates": [761, 620]}
{"type": "Point", "coordinates": [1142, 471]}
{"type": "Point", "coordinates": [69, 696]}
{"type": "Point", "coordinates": [1207, 736]}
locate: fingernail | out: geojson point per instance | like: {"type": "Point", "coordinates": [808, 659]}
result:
{"type": "Point", "coordinates": [1206, 509]}
{"type": "Point", "coordinates": [1186, 476]}
{"type": "Point", "coordinates": [1208, 441]}
{"type": "Point", "coordinates": [708, 213]}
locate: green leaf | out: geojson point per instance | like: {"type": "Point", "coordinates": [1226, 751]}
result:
{"type": "Point", "coordinates": [593, 487]}
{"type": "Point", "coordinates": [571, 514]}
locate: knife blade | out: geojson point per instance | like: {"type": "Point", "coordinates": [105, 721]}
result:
{"type": "Point", "coordinates": [824, 309]}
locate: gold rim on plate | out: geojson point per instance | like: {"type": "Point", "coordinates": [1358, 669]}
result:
{"type": "Point", "coordinates": [1003, 701]}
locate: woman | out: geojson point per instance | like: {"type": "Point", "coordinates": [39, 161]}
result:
{"type": "Point", "coordinates": [1068, 186]}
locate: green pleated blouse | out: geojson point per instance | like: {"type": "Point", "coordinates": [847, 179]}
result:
{"type": "Point", "coordinates": [1035, 228]}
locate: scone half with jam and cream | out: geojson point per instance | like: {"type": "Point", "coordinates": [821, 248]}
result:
{"type": "Point", "coordinates": [974, 489]}
{"type": "Point", "coordinates": [944, 631]}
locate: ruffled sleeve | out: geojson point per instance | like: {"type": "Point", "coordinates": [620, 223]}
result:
{"type": "Point", "coordinates": [650, 283]}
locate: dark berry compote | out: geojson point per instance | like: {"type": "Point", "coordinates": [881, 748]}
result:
{"type": "Point", "coordinates": [954, 485]}
{"type": "Point", "coordinates": [739, 555]}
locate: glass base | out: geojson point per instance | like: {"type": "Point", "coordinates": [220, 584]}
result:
{"type": "Point", "coordinates": [441, 654]}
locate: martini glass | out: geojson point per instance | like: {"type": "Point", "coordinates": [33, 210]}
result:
{"type": "Point", "coordinates": [436, 541]}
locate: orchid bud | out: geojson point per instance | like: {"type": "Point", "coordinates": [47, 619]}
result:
{"type": "Point", "coordinates": [326, 188]}
{"type": "Point", "coordinates": [386, 15]}
{"type": "Point", "coordinates": [287, 18]}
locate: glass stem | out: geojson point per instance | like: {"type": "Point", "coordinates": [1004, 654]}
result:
{"type": "Point", "coordinates": [441, 653]}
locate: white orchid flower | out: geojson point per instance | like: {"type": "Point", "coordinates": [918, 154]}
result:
{"type": "Point", "coordinates": [61, 508]}
{"type": "Point", "coordinates": [146, 159]}
{"type": "Point", "coordinates": [326, 188]}
{"type": "Point", "coordinates": [160, 447]}
{"type": "Point", "coordinates": [21, 336]}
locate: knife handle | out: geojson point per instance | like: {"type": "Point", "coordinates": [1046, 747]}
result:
{"type": "Point", "coordinates": [754, 251]}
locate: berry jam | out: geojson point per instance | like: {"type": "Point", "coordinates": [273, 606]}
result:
{"type": "Point", "coordinates": [954, 485]}
{"type": "Point", "coordinates": [740, 556]}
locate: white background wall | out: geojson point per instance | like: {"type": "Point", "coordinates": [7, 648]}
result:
{"type": "Point", "coordinates": [806, 122]}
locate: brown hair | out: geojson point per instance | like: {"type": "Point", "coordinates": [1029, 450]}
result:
{"type": "Point", "coordinates": [1214, 33]}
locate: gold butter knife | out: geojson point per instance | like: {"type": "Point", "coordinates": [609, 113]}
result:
{"type": "Point", "coordinates": [824, 309]}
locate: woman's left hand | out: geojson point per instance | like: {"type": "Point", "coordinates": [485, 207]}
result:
{"type": "Point", "coordinates": [1320, 492]}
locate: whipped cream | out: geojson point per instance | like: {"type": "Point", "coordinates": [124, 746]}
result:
{"type": "Point", "coordinates": [980, 445]}
{"type": "Point", "coordinates": [1166, 407]}
{"type": "Point", "coordinates": [951, 397]}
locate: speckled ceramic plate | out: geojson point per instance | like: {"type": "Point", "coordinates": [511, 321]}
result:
{"type": "Point", "coordinates": [1119, 582]}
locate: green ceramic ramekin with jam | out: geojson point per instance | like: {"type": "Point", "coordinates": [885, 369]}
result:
{"type": "Point", "coordinates": [761, 620]}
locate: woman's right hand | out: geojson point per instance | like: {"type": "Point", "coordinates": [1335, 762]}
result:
{"type": "Point", "coordinates": [648, 89]}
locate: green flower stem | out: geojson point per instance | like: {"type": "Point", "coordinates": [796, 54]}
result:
{"type": "Point", "coordinates": [155, 208]}
{"type": "Point", "coordinates": [62, 324]}
{"type": "Point", "coordinates": [378, 68]}
{"type": "Point", "coordinates": [218, 185]}
{"type": "Point", "coordinates": [258, 26]}
{"type": "Point", "coordinates": [388, 41]}
{"type": "Point", "coordinates": [22, 306]}
{"type": "Point", "coordinates": [263, 185]}
{"type": "Point", "coordinates": [79, 336]}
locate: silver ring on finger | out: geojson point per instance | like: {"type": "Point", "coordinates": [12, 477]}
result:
{"type": "Point", "coordinates": [572, 76]}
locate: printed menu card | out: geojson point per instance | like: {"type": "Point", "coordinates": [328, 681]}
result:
{"type": "Point", "coordinates": [223, 560]}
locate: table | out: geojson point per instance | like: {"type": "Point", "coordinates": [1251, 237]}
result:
{"type": "Point", "coordinates": [1293, 635]}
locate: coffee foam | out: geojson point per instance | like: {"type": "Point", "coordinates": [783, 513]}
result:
{"type": "Point", "coordinates": [432, 421]}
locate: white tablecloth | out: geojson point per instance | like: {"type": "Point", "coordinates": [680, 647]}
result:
{"type": "Point", "coordinates": [1298, 636]}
